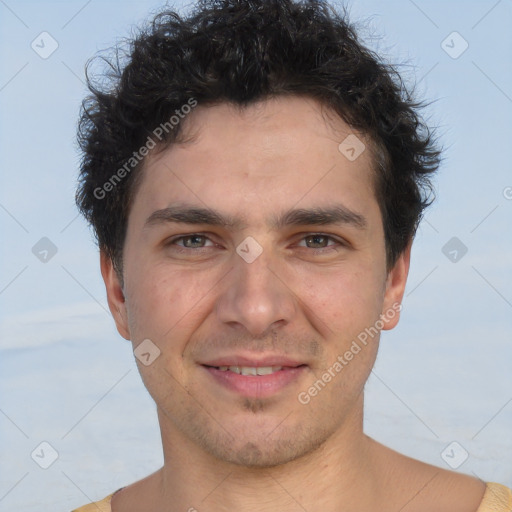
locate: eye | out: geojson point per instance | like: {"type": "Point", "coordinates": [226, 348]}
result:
{"type": "Point", "coordinates": [198, 243]}
{"type": "Point", "coordinates": [192, 241]}
{"type": "Point", "coordinates": [320, 241]}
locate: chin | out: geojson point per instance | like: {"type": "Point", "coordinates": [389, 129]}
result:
{"type": "Point", "coordinates": [266, 452]}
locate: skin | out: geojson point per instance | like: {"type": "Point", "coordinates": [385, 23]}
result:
{"type": "Point", "coordinates": [306, 297]}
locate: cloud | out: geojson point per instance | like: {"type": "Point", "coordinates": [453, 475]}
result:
{"type": "Point", "coordinates": [85, 320]}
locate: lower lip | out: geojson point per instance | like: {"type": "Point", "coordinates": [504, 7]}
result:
{"type": "Point", "coordinates": [256, 386]}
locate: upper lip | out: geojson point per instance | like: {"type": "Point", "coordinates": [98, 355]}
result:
{"type": "Point", "coordinates": [253, 361]}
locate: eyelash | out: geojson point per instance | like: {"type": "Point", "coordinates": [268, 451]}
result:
{"type": "Point", "coordinates": [181, 249]}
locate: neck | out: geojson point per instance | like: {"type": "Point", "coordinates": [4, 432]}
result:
{"type": "Point", "coordinates": [340, 475]}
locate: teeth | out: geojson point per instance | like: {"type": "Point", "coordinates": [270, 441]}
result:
{"type": "Point", "coordinates": [265, 370]}
{"type": "Point", "coordinates": [251, 370]}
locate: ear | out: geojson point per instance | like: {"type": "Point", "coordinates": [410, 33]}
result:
{"type": "Point", "coordinates": [115, 296]}
{"type": "Point", "coordinates": [395, 287]}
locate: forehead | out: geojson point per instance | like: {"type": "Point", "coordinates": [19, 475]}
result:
{"type": "Point", "coordinates": [269, 156]}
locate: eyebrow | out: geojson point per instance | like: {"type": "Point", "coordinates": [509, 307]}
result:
{"type": "Point", "coordinates": [337, 214]}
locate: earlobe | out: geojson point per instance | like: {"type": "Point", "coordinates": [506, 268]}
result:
{"type": "Point", "coordinates": [115, 295]}
{"type": "Point", "coordinates": [395, 288]}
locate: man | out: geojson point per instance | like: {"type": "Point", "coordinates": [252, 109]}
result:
{"type": "Point", "coordinates": [255, 177]}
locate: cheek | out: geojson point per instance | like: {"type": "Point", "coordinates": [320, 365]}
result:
{"type": "Point", "coordinates": [346, 307]}
{"type": "Point", "coordinates": [165, 306]}
{"type": "Point", "coordinates": [341, 302]}
{"type": "Point", "coordinates": [163, 301]}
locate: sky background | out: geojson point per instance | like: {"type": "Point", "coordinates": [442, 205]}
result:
{"type": "Point", "coordinates": [67, 378]}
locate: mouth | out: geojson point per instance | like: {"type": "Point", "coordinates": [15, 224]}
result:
{"type": "Point", "coordinates": [255, 380]}
{"type": "Point", "coordinates": [250, 370]}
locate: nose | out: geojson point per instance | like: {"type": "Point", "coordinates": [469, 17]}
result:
{"type": "Point", "coordinates": [254, 295]}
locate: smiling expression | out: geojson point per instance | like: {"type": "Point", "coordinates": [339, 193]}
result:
{"type": "Point", "coordinates": [254, 256]}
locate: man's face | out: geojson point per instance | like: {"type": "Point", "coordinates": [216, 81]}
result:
{"type": "Point", "coordinates": [274, 292]}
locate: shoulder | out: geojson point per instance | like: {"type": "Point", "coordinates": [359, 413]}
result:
{"type": "Point", "coordinates": [497, 498]}
{"type": "Point", "coordinates": [420, 487]}
{"type": "Point", "coordinates": [98, 506]}
{"type": "Point", "coordinates": [448, 490]}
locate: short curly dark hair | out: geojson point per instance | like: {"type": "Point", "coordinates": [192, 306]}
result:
{"type": "Point", "coordinates": [242, 51]}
